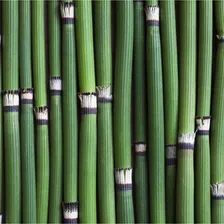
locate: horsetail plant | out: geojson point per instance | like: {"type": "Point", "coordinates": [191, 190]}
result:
{"type": "Point", "coordinates": [170, 79]}
{"type": "Point", "coordinates": [140, 171]}
{"type": "Point", "coordinates": [41, 110]}
{"type": "Point", "coordinates": [88, 131]}
{"type": "Point", "coordinates": [217, 127]}
{"type": "Point", "coordinates": [187, 86]}
{"type": "Point", "coordinates": [10, 28]}
{"type": "Point", "coordinates": [105, 163]}
{"type": "Point", "coordinates": [122, 113]}
{"type": "Point", "coordinates": [202, 147]}
{"type": "Point", "coordinates": [155, 115]}
{"type": "Point", "coordinates": [55, 194]}
{"type": "Point", "coordinates": [70, 135]}
{"type": "Point", "coordinates": [26, 115]}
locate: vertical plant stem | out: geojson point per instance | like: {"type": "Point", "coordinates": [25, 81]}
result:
{"type": "Point", "coordinates": [88, 130]}
{"type": "Point", "coordinates": [187, 86]}
{"type": "Point", "coordinates": [26, 116]}
{"type": "Point", "coordinates": [155, 115]}
{"type": "Point", "coordinates": [122, 105]}
{"type": "Point", "coordinates": [141, 166]}
{"type": "Point", "coordinates": [70, 122]}
{"type": "Point", "coordinates": [10, 29]}
{"type": "Point", "coordinates": [105, 162]}
{"type": "Point", "coordinates": [41, 111]}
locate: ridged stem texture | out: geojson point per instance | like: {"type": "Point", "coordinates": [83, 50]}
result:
{"type": "Point", "coordinates": [88, 130]}
{"type": "Point", "coordinates": [122, 102]}
{"type": "Point", "coordinates": [217, 127]}
{"type": "Point", "coordinates": [141, 196]}
{"type": "Point", "coordinates": [105, 161]}
{"type": "Point", "coordinates": [202, 149]}
{"type": "Point", "coordinates": [187, 86]}
{"type": "Point", "coordinates": [39, 80]}
{"type": "Point", "coordinates": [26, 116]}
{"type": "Point", "coordinates": [170, 87]}
{"type": "Point", "coordinates": [54, 41]}
{"type": "Point", "coordinates": [10, 29]}
{"type": "Point", "coordinates": [155, 118]}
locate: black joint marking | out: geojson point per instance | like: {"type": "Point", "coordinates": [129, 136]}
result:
{"type": "Point", "coordinates": [185, 146]}
{"type": "Point", "coordinates": [104, 100]}
{"type": "Point", "coordinates": [11, 109]}
{"type": "Point", "coordinates": [26, 101]}
{"type": "Point", "coordinates": [86, 111]}
{"type": "Point", "coordinates": [56, 92]}
{"type": "Point", "coordinates": [124, 187]}
{"type": "Point", "coordinates": [171, 145]}
{"type": "Point", "coordinates": [89, 93]}
{"type": "Point", "coordinates": [16, 92]}
{"type": "Point", "coordinates": [220, 197]}
{"type": "Point", "coordinates": [203, 132]}
{"type": "Point", "coordinates": [171, 161]}
{"type": "Point", "coordinates": [41, 122]}
{"type": "Point", "coordinates": [152, 23]}
{"type": "Point", "coordinates": [70, 220]}
{"type": "Point", "coordinates": [68, 21]}
{"type": "Point", "coordinates": [139, 143]}
{"type": "Point", "coordinates": [140, 153]}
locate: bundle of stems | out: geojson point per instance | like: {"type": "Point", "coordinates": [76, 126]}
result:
{"type": "Point", "coordinates": [26, 115]}
{"type": "Point", "coordinates": [170, 78]}
{"type": "Point", "coordinates": [105, 162]}
{"type": "Point", "coordinates": [140, 167]}
{"type": "Point", "coordinates": [217, 128]}
{"type": "Point", "coordinates": [122, 113]}
{"type": "Point", "coordinates": [156, 119]}
{"type": "Point", "coordinates": [202, 147]}
{"type": "Point", "coordinates": [187, 86]}
{"type": "Point", "coordinates": [70, 135]}
{"type": "Point", "coordinates": [41, 111]}
{"type": "Point", "coordinates": [54, 40]}
{"type": "Point", "coordinates": [10, 28]}
{"type": "Point", "coordinates": [88, 130]}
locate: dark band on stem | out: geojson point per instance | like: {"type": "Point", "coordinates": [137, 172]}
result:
{"type": "Point", "coordinates": [171, 161]}
{"type": "Point", "coordinates": [185, 146]}
{"type": "Point", "coordinates": [104, 100]}
{"type": "Point", "coordinates": [68, 21]}
{"type": "Point", "coordinates": [218, 197]}
{"type": "Point", "coordinates": [203, 132]}
{"type": "Point", "coordinates": [152, 23]}
{"type": "Point", "coordinates": [124, 187]}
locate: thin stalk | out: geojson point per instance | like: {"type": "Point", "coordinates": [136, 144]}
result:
{"type": "Point", "coordinates": [105, 163]}
{"type": "Point", "coordinates": [217, 140]}
{"type": "Point", "coordinates": [70, 134]}
{"type": "Point", "coordinates": [202, 152]}
{"type": "Point", "coordinates": [26, 116]}
{"type": "Point", "coordinates": [155, 115]}
{"type": "Point", "coordinates": [55, 194]}
{"type": "Point", "coordinates": [141, 166]}
{"type": "Point", "coordinates": [88, 130]}
{"type": "Point", "coordinates": [187, 104]}
{"type": "Point", "coordinates": [41, 111]}
{"type": "Point", "coordinates": [122, 105]}
{"type": "Point", "coordinates": [10, 28]}
{"type": "Point", "coordinates": [170, 79]}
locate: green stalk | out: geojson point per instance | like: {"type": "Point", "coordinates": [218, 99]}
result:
{"type": "Point", "coordinates": [26, 116]}
{"type": "Point", "coordinates": [55, 194]}
{"type": "Point", "coordinates": [140, 171]}
{"type": "Point", "coordinates": [155, 118]}
{"type": "Point", "coordinates": [105, 163]}
{"type": "Point", "coordinates": [170, 78]}
{"type": "Point", "coordinates": [41, 111]}
{"type": "Point", "coordinates": [187, 86]}
{"type": "Point", "coordinates": [122, 105]}
{"type": "Point", "coordinates": [70, 135]}
{"type": "Point", "coordinates": [88, 131]}
{"type": "Point", "coordinates": [10, 28]}
{"type": "Point", "coordinates": [202, 152]}
{"type": "Point", "coordinates": [217, 140]}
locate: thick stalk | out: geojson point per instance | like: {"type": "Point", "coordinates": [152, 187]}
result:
{"type": "Point", "coordinates": [41, 111]}
{"type": "Point", "coordinates": [187, 86]}
{"type": "Point", "coordinates": [202, 152]}
{"type": "Point", "coordinates": [122, 104]}
{"type": "Point", "coordinates": [103, 59]}
{"type": "Point", "coordinates": [87, 143]}
{"type": "Point", "coordinates": [140, 168]}
{"type": "Point", "coordinates": [55, 194]}
{"type": "Point", "coordinates": [155, 115]}
{"type": "Point", "coordinates": [217, 140]}
{"type": "Point", "coordinates": [10, 28]}
{"type": "Point", "coordinates": [170, 78]}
